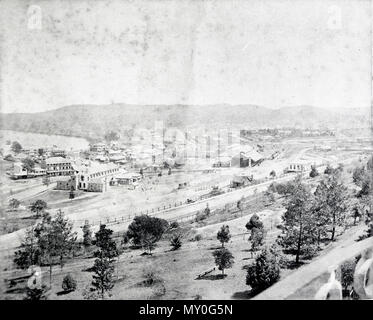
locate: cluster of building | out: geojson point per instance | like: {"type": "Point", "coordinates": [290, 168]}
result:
{"type": "Point", "coordinates": [78, 175]}
{"type": "Point", "coordinates": [288, 132]}
{"type": "Point", "coordinates": [244, 156]}
{"type": "Point", "coordinates": [87, 177]}
{"type": "Point", "coordinates": [136, 156]}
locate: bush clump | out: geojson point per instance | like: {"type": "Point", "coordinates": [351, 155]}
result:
{"type": "Point", "coordinates": [68, 283]}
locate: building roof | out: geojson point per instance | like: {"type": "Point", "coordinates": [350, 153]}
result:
{"type": "Point", "coordinates": [97, 167]}
{"type": "Point", "coordinates": [96, 180]}
{"type": "Point", "coordinates": [117, 157]}
{"type": "Point", "coordinates": [301, 161]}
{"type": "Point", "coordinates": [240, 178]}
{"type": "Point", "coordinates": [252, 154]}
{"type": "Point", "coordinates": [63, 178]}
{"type": "Point", "coordinates": [54, 160]}
{"type": "Point", "coordinates": [128, 175]}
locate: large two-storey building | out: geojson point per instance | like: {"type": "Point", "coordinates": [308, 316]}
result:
{"type": "Point", "coordinates": [58, 166]}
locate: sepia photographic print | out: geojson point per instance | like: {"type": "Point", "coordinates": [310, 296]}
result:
{"type": "Point", "coordinates": [186, 150]}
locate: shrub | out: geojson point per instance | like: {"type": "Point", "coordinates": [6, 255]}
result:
{"type": "Point", "coordinates": [14, 203]}
{"type": "Point", "coordinates": [36, 293]}
{"type": "Point", "coordinates": [200, 216]}
{"type": "Point", "coordinates": [87, 235]}
{"type": "Point", "coordinates": [347, 274]}
{"type": "Point", "coordinates": [125, 239]}
{"type": "Point", "coordinates": [9, 157]}
{"type": "Point", "coordinates": [68, 283]}
{"type": "Point", "coordinates": [174, 225]}
{"type": "Point", "coordinates": [254, 222]}
{"type": "Point", "coordinates": [314, 173]}
{"type": "Point", "coordinates": [151, 276]}
{"type": "Point", "coordinates": [328, 169]}
{"type": "Point", "coordinates": [175, 242]}
{"type": "Point", "coordinates": [263, 273]}
{"type": "Point", "coordinates": [197, 237]}
{"type": "Point", "coordinates": [358, 176]}
{"type": "Point", "coordinates": [142, 227]}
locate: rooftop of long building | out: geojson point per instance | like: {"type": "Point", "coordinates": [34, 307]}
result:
{"type": "Point", "coordinates": [57, 160]}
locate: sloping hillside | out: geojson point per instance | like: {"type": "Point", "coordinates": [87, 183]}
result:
{"type": "Point", "coordinates": [92, 121]}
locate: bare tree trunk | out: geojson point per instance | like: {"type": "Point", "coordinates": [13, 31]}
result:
{"type": "Point", "coordinates": [318, 239]}
{"type": "Point", "coordinates": [50, 274]}
{"type": "Point", "coordinates": [299, 245]}
{"type": "Point", "coordinates": [333, 229]}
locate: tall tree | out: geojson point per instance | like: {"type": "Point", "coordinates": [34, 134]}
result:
{"type": "Point", "coordinates": [64, 237]}
{"type": "Point", "coordinates": [55, 240]}
{"type": "Point", "coordinates": [332, 198]}
{"type": "Point", "coordinates": [107, 246]}
{"type": "Point", "coordinates": [256, 228]}
{"type": "Point", "coordinates": [49, 240]}
{"type": "Point", "coordinates": [29, 253]}
{"type": "Point", "coordinates": [223, 235]}
{"type": "Point", "coordinates": [320, 221]}
{"type": "Point", "coordinates": [103, 280]}
{"type": "Point", "coordinates": [103, 267]}
{"type": "Point", "coordinates": [365, 195]}
{"type": "Point", "coordinates": [16, 147]}
{"type": "Point", "coordinates": [298, 225]}
{"type": "Point", "coordinates": [28, 164]}
{"type": "Point", "coordinates": [38, 207]}
{"type": "Point", "coordinates": [223, 259]}
{"type": "Point", "coordinates": [358, 175]}
{"type": "Point", "coordinates": [87, 235]}
{"type": "Point", "coordinates": [256, 238]}
{"type": "Point", "coordinates": [148, 242]}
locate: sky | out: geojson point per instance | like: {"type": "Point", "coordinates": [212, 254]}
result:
{"type": "Point", "coordinates": [269, 53]}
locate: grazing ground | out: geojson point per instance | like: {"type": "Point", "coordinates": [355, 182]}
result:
{"type": "Point", "coordinates": [177, 271]}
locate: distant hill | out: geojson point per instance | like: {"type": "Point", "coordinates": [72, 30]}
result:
{"type": "Point", "coordinates": [92, 121]}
